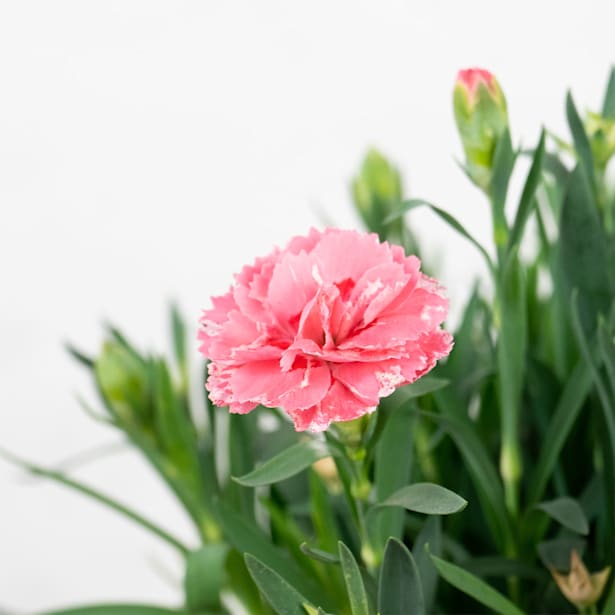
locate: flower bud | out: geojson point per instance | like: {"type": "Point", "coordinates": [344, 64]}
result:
{"type": "Point", "coordinates": [601, 134]}
{"type": "Point", "coordinates": [376, 191]}
{"type": "Point", "coordinates": [580, 587]}
{"type": "Point", "coordinates": [124, 382]}
{"type": "Point", "coordinates": [482, 118]}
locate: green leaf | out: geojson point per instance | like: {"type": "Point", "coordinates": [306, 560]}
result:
{"type": "Point", "coordinates": [426, 498]}
{"type": "Point", "coordinates": [484, 475]}
{"type": "Point", "coordinates": [609, 605]}
{"type": "Point", "coordinates": [556, 553]}
{"type": "Point", "coordinates": [527, 197]}
{"type": "Point", "coordinates": [205, 577]}
{"type": "Point", "coordinates": [178, 330]}
{"type": "Point", "coordinates": [568, 512]}
{"type": "Point", "coordinates": [289, 462]}
{"type": "Point", "coordinates": [606, 344]}
{"type": "Point", "coordinates": [322, 513]}
{"type": "Point", "coordinates": [357, 595]}
{"type": "Point", "coordinates": [430, 537]}
{"type": "Point", "coordinates": [93, 494]}
{"type": "Point", "coordinates": [583, 251]}
{"type": "Point", "coordinates": [581, 144]}
{"type": "Point", "coordinates": [608, 106]}
{"type": "Point", "coordinates": [399, 587]}
{"type": "Point", "coordinates": [394, 455]}
{"type": "Point", "coordinates": [504, 159]}
{"type": "Point", "coordinates": [406, 206]}
{"type": "Point", "coordinates": [511, 361]}
{"type": "Point", "coordinates": [423, 386]}
{"type": "Point", "coordinates": [318, 554]}
{"type": "Point", "coordinates": [247, 537]}
{"type": "Point", "coordinates": [476, 588]}
{"type": "Point", "coordinates": [117, 609]}
{"type": "Point", "coordinates": [282, 596]}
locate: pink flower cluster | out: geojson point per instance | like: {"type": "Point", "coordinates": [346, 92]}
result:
{"type": "Point", "coordinates": [323, 329]}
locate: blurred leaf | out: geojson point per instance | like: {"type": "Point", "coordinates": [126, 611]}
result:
{"type": "Point", "coordinates": [323, 515]}
{"type": "Point", "coordinates": [527, 197]}
{"type": "Point", "coordinates": [583, 251]}
{"type": "Point", "coordinates": [241, 584]}
{"type": "Point", "coordinates": [241, 456]}
{"type": "Point", "coordinates": [581, 145]}
{"type": "Point", "coordinates": [394, 456]}
{"type": "Point", "coordinates": [476, 588]}
{"type": "Point", "coordinates": [556, 553]}
{"type": "Point", "coordinates": [608, 106]}
{"type": "Point", "coordinates": [399, 588]}
{"type": "Point", "coordinates": [282, 596]}
{"type": "Point", "coordinates": [289, 462]}
{"type": "Point", "coordinates": [205, 577]}
{"type": "Point", "coordinates": [178, 331]}
{"type": "Point", "coordinates": [318, 554]}
{"type": "Point", "coordinates": [406, 206]}
{"type": "Point", "coordinates": [503, 163]}
{"type": "Point", "coordinates": [426, 498]}
{"type": "Point", "coordinates": [606, 344]}
{"type": "Point", "coordinates": [511, 361]}
{"type": "Point", "coordinates": [495, 566]}
{"type": "Point", "coordinates": [80, 356]}
{"type": "Point", "coordinates": [118, 609]}
{"type": "Point", "coordinates": [566, 511]}
{"type": "Point", "coordinates": [357, 595]}
{"type": "Point", "coordinates": [485, 479]}
{"type": "Point", "coordinates": [247, 537]}
{"type": "Point", "coordinates": [93, 494]}
{"type": "Point", "coordinates": [430, 537]}
{"type": "Point", "coordinates": [423, 386]}
{"type": "Point", "coordinates": [569, 405]}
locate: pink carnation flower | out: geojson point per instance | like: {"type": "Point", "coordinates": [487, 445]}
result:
{"type": "Point", "coordinates": [323, 329]}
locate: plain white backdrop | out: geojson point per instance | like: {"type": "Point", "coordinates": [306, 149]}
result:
{"type": "Point", "coordinates": [148, 149]}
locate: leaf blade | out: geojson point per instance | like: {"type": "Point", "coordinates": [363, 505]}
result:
{"type": "Point", "coordinates": [426, 498]}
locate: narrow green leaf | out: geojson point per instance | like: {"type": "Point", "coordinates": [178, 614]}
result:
{"type": "Point", "coordinates": [606, 344]}
{"type": "Point", "coordinates": [608, 106]}
{"type": "Point", "coordinates": [430, 537]}
{"type": "Point", "coordinates": [426, 498]}
{"type": "Point", "coordinates": [394, 455]}
{"type": "Point", "coordinates": [568, 512]}
{"type": "Point", "coordinates": [399, 587]}
{"type": "Point", "coordinates": [282, 596]}
{"type": "Point", "coordinates": [357, 595]}
{"type": "Point", "coordinates": [575, 391]}
{"type": "Point", "coordinates": [484, 475]}
{"type": "Point", "coordinates": [319, 554]}
{"type": "Point", "coordinates": [527, 197]}
{"type": "Point", "coordinates": [581, 144]}
{"type": "Point", "coordinates": [322, 513]}
{"type": "Point", "coordinates": [289, 462]}
{"type": "Point", "coordinates": [178, 334]}
{"type": "Point", "coordinates": [205, 577]}
{"type": "Point", "coordinates": [423, 386]}
{"type": "Point", "coordinates": [79, 356]}
{"type": "Point", "coordinates": [117, 609]}
{"type": "Point", "coordinates": [247, 537]}
{"type": "Point", "coordinates": [609, 605]}
{"type": "Point", "coordinates": [406, 206]}
{"type": "Point", "coordinates": [583, 251]}
{"type": "Point", "coordinates": [93, 494]}
{"type": "Point", "coordinates": [504, 159]}
{"type": "Point", "coordinates": [476, 588]}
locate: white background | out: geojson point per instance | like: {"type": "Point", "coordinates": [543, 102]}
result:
{"type": "Point", "coordinates": [149, 149]}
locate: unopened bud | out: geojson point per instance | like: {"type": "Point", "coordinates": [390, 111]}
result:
{"type": "Point", "coordinates": [376, 191]}
{"type": "Point", "coordinates": [123, 380]}
{"type": "Point", "coordinates": [482, 118]}
{"type": "Point", "coordinates": [601, 134]}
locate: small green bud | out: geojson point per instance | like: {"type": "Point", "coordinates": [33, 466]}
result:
{"type": "Point", "coordinates": [124, 381]}
{"type": "Point", "coordinates": [482, 118]}
{"type": "Point", "coordinates": [376, 191]}
{"type": "Point", "coordinates": [601, 134]}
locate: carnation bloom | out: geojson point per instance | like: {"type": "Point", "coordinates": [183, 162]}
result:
{"type": "Point", "coordinates": [323, 329]}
